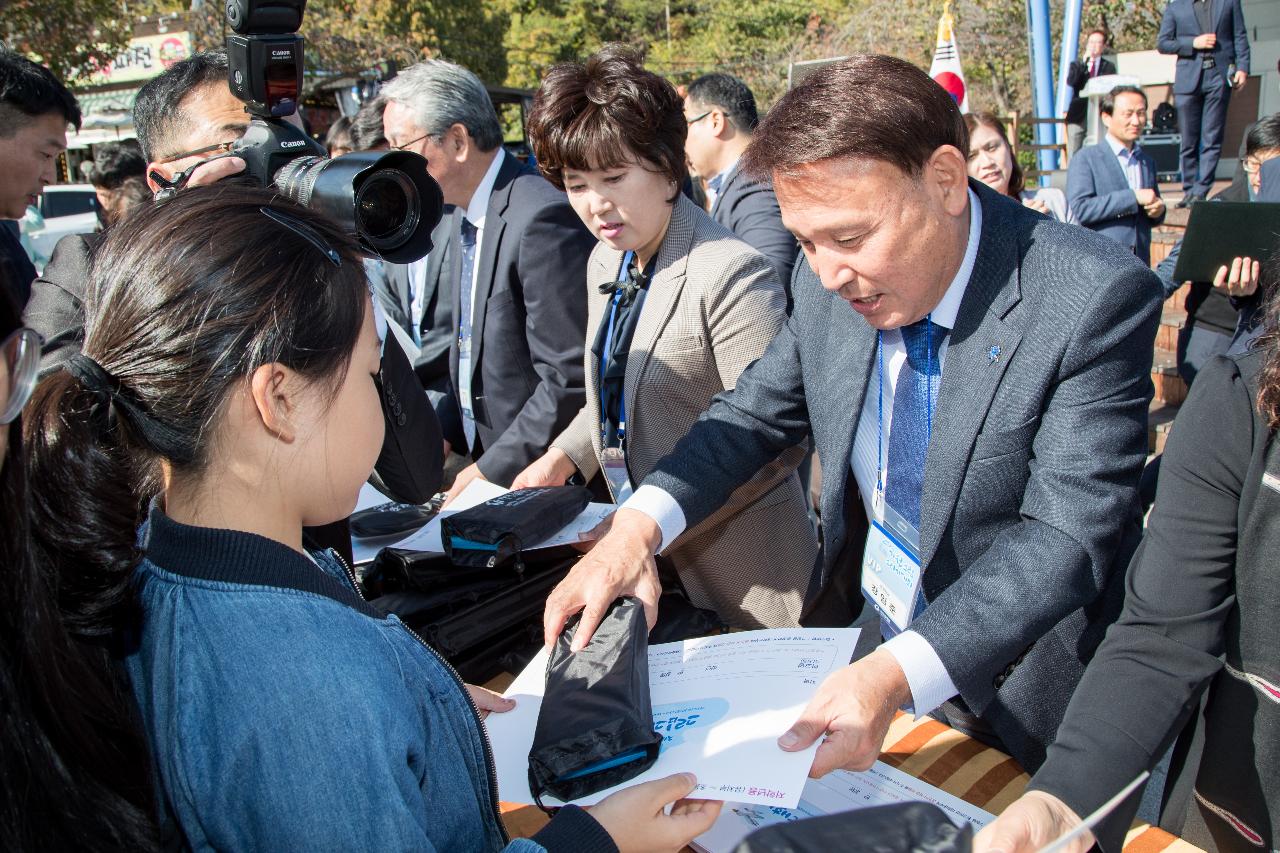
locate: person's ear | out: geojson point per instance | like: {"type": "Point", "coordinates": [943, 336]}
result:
{"type": "Point", "coordinates": [948, 172]}
{"type": "Point", "coordinates": [275, 391]}
{"type": "Point", "coordinates": [457, 142]}
{"type": "Point", "coordinates": [719, 124]}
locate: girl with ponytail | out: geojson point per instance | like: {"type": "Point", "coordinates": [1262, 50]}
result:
{"type": "Point", "coordinates": [225, 397]}
{"type": "Point", "coordinates": [74, 773]}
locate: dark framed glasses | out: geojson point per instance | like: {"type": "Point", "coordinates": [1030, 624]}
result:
{"type": "Point", "coordinates": [21, 354]}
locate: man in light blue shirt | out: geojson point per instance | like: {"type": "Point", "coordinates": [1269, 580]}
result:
{"type": "Point", "coordinates": [1111, 186]}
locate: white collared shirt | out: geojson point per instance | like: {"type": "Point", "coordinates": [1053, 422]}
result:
{"type": "Point", "coordinates": [930, 683]}
{"type": "Point", "coordinates": [1129, 161]}
{"type": "Point", "coordinates": [476, 211]}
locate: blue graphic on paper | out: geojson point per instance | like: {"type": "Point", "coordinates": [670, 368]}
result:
{"type": "Point", "coordinates": [673, 720]}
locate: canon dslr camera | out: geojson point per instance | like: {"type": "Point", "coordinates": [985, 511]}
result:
{"type": "Point", "coordinates": [385, 198]}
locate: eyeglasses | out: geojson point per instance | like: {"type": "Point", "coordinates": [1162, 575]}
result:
{"type": "Point", "coordinates": [699, 118]}
{"type": "Point", "coordinates": [21, 352]}
{"type": "Point", "coordinates": [405, 146]}
{"type": "Point", "coordinates": [169, 186]}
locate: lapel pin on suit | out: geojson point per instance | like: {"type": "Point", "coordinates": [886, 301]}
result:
{"type": "Point", "coordinates": [993, 354]}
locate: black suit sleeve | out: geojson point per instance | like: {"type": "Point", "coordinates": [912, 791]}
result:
{"type": "Point", "coordinates": [552, 265]}
{"type": "Point", "coordinates": [410, 467]}
{"type": "Point", "coordinates": [1077, 76]}
{"type": "Point", "coordinates": [56, 309]}
{"type": "Point", "coordinates": [1156, 660]}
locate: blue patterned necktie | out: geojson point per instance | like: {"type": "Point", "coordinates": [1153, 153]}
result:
{"type": "Point", "coordinates": [466, 281]}
{"type": "Point", "coordinates": [914, 398]}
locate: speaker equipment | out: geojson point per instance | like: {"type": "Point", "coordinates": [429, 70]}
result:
{"type": "Point", "coordinates": [1164, 148]}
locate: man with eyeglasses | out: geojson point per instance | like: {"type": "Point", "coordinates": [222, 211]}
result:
{"type": "Point", "coordinates": [35, 109]}
{"type": "Point", "coordinates": [186, 120]}
{"type": "Point", "coordinates": [721, 113]}
{"type": "Point", "coordinates": [519, 269]}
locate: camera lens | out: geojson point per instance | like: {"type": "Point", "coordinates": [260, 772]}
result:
{"type": "Point", "coordinates": [387, 200]}
{"type": "Point", "coordinates": [387, 208]}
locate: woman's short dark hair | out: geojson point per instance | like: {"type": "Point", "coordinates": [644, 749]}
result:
{"type": "Point", "coordinates": [116, 162]}
{"type": "Point", "coordinates": [605, 113]}
{"type": "Point", "coordinates": [868, 106]}
{"type": "Point", "coordinates": [972, 121]}
{"type": "Point", "coordinates": [339, 135]}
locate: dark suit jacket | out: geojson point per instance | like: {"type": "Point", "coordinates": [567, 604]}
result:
{"type": "Point", "coordinates": [1179, 28]}
{"type": "Point", "coordinates": [529, 326]}
{"type": "Point", "coordinates": [16, 269]}
{"type": "Point", "coordinates": [410, 467]}
{"type": "Point", "coordinates": [750, 210]}
{"type": "Point", "coordinates": [56, 309]}
{"type": "Point", "coordinates": [1077, 79]}
{"type": "Point", "coordinates": [1029, 510]}
{"type": "Point", "coordinates": [396, 295]}
{"type": "Point", "coordinates": [1099, 194]}
{"type": "Point", "coordinates": [1201, 588]}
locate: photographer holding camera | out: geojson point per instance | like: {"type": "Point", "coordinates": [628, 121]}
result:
{"type": "Point", "coordinates": [188, 122]}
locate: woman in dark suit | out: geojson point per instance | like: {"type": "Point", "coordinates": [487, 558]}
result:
{"type": "Point", "coordinates": [1199, 620]}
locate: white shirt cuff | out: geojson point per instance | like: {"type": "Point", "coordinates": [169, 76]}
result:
{"type": "Point", "coordinates": [930, 683]}
{"type": "Point", "coordinates": [662, 508]}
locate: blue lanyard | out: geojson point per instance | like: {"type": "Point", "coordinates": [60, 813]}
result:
{"type": "Point", "coordinates": [604, 361]}
{"type": "Point", "coordinates": [928, 384]}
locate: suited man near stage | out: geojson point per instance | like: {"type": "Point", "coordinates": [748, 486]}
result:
{"type": "Point", "coordinates": [1111, 186]}
{"type": "Point", "coordinates": [418, 297]}
{"type": "Point", "coordinates": [1079, 73]}
{"type": "Point", "coordinates": [1212, 46]}
{"type": "Point", "coordinates": [973, 373]}
{"type": "Point", "coordinates": [721, 112]}
{"type": "Point", "coordinates": [519, 259]}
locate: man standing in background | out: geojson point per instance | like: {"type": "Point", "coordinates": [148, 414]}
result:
{"type": "Point", "coordinates": [1209, 39]}
{"type": "Point", "coordinates": [1078, 76]}
{"type": "Point", "coordinates": [721, 112]}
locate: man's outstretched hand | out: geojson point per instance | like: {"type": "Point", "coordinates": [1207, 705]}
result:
{"type": "Point", "coordinates": [853, 709]}
{"type": "Point", "coordinates": [621, 563]}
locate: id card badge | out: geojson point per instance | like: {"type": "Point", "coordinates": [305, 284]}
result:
{"type": "Point", "coordinates": [614, 464]}
{"type": "Point", "coordinates": [891, 569]}
{"type": "Point", "coordinates": [464, 376]}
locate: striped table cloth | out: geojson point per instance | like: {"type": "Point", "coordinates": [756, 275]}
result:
{"type": "Point", "coordinates": [943, 757]}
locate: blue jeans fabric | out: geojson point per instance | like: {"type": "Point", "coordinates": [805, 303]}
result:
{"type": "Point", "coordinates": [281, 719]}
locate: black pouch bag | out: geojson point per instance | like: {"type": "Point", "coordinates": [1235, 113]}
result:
{"type": "Point", "coordinates": [595, 729]}
{"type": "Point", "coordinates": [494, 533]}
{"type": "Point", "coordinates": [900, 828]}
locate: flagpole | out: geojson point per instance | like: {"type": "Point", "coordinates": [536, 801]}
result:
{"type": "Point", "coordinates": [1069, 52]}
{"type": "Point", "coordinates": [1042, 67]}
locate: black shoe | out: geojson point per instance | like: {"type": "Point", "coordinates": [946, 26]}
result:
{"type": "Point", "coordinates": [1187, 201]}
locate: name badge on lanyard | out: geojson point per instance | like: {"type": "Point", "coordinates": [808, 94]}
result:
{"type": "Point", "coordinates": [464, 374]}
{"type": "Point", "coordinates": [892, 572]}
{"type": "Point", "coordinates": [613, 460]}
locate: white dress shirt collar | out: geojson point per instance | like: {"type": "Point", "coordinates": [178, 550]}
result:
{"type": "Point", "coordinates": [479, 204]}
{"type": "Point", "coordinates": [949, 308]}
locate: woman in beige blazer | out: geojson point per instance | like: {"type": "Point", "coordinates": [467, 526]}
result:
{"type": "Point", "coordinates": [705, 307]}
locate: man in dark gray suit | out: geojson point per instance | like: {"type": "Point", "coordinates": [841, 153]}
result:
{"type": "Point", "coordinates": [519, 262]}
{"type": "Point", "coordinates": [976, 379]}
{"type": "Point", "coordinates": [721, 112]}
{"type": "Point", "coordinates": [1210, 40]}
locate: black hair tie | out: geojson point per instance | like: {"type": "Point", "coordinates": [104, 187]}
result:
{"type": "Point", "coordinates": [114, 399]}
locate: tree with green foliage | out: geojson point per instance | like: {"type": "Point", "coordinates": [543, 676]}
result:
{"type": "Point", "coordinates": [72, 37]}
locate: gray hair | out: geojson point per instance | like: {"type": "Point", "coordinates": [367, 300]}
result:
{"type": "Point", "coordinates": [441, 95]}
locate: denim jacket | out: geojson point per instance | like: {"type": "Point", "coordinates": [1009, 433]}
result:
{"type": "Point", "coordinates": [286, 713]}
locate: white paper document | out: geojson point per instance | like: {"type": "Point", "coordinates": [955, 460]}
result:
{"type": "Point", "coordinates": [428, 540]}
{"type": "Point", "coordinates": [720, 703]}
{"type": "Point", "coordinates": [840, 791]}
